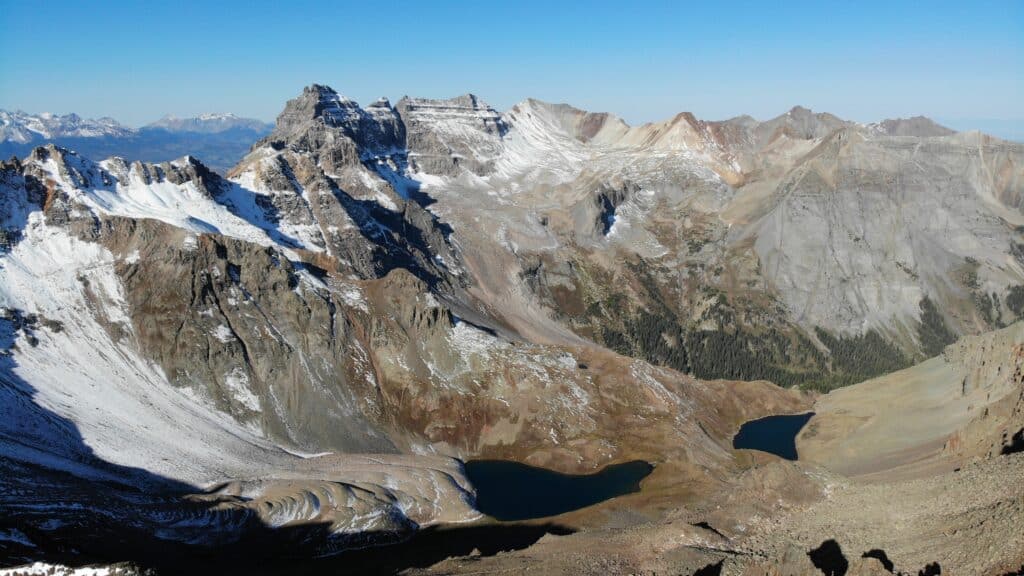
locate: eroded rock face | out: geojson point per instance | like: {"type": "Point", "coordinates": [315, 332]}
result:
{"type": "Point", "coordinates": [260, 336]}
{"type": "Point", "coordinates": [890, 235]}
{"type": "Point", "coordinates": [314, 119]}
{"type": "Point", "coordinates": [446, 137]}
{"type": "Point", "coordinates": [994, 366]}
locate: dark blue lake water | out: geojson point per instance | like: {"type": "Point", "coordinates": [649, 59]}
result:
{"type": "Point", "coordinates": [773, 434]}
{"type": "Point", "coordinates": [509, 490]}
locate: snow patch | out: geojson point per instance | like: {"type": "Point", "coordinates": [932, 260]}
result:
{"type": "Point", "coordinates": [237, 382]}
{"type": "Point", "coordinates": [224, 334]}
{"type": "Point", "coordinates": [44, 569]}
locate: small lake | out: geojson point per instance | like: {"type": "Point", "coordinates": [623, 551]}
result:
{"type": "Point", "coordinates": [773, 434]}
{"type": "Point", "coordinates": [509, 490]}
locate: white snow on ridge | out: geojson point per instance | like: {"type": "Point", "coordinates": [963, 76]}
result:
{"type": "Point", "coordinates": [183, 206]}
{"type": "Point", "coordinates": [242, 200]}
{"type": "Point", "coordinates": [44, 569]}
{"type": "Point", "coordinates": [237, 382]}
{"type": "Point", "coordinates": [122, 405]}
{"type": "Point", "coordinates": [223, 333]}
{"type": "Point", "coordinates": [109, 187]}
{"type": "Point", "coordinates": [23, 128]}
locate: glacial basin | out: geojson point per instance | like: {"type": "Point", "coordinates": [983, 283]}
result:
{"type": "Point", "coordinates": [507, 490]}
{"type": "Point", "coordinates": [772, 434]}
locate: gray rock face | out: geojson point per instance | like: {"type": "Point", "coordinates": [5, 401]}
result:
{"type": "Point", "coordinates": [447, 136]}
{"type": "Point", "coordinates": [336, 173]}
{"type": "Point", "coordinates": [20, 195]}
{"type": "Point", "coordinates": [311, 120]}
{"type": "Point", "coordinates": [226, 317]}
{"type": "Point", "coordinates": [867, 228]}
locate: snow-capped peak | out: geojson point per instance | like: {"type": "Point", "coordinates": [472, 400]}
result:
{"type": "Point", "coordinates": [209, 123]}
{"type": "Point", "coordinates": [22, 128]}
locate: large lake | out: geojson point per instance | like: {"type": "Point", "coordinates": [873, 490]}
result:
{"type": "Point", "coordinates": [773, 434]}
{"type": "Point", "coordinates": [509, 490]}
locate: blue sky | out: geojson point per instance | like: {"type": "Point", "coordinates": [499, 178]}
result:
{"type": "Point", "coordinates": [645, 61]}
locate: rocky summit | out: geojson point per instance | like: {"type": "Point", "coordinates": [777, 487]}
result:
{"type": "Point", "coordinates": [283, 366]}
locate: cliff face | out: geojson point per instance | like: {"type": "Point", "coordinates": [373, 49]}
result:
{"type": "Point", "coordinates": [446, 137]}
{"type": "Point", "coordinates": [960, 407]}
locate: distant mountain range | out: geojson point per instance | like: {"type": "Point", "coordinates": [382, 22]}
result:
{"type": "Point", "coordinates": [220, 139]}
{"type": "Point", "coordinates": [210, 124]}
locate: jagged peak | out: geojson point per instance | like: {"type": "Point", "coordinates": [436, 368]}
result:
{"type": "Point", "coordinates": [74, 170]}
{"type": "Point", "coordinates": [322, 91]}
{"type": "Point", "coordinates": [316, 103]}
{"type": "Point", "coordinates": [48, 151]}
{"type": "Point", "coordinates": [328, 99]}
{"type": "Point", "coordinates": [187, 160]}
{"type": "Point", "coordinates": [321, 120]}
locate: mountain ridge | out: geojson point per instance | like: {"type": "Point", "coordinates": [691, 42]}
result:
{"type": "Point", "coordinates": [221, 139]}
{"type": "Point", "coordinates": [227, 120]}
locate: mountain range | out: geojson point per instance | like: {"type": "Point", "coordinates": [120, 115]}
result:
{"type": "Point", "coordinates": [296, 355]}
{"type": "Point", "coordinates": [221, 139]}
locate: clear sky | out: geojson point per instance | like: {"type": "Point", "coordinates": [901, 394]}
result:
{"type": "Point", "coordinates": [862, 60]}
